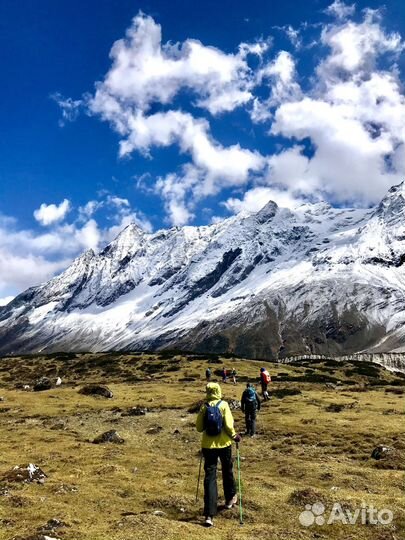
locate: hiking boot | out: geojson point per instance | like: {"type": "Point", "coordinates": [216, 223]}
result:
{"type": "Point", "coordinates": [209, 522]}
{"type": "Point", "coordinates": [232, 502]}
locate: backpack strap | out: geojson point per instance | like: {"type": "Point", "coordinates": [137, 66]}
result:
{"type": "Point", "coordinates": [216, 404]}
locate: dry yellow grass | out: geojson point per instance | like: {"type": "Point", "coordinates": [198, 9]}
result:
{"type": "Point", "coordinates": [112, 491]}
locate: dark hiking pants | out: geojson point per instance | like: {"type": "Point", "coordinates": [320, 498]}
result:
{"type": "Point", "coordinates": [250, 420]}
{"type": "Point", "coordinates": [211, 456]}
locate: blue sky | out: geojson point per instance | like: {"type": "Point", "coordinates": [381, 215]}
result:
{"type": "Point", "coordinates": [202, 111]}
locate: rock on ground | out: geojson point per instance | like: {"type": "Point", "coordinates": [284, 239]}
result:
{"type": "Point", "coordinates": [42, 384]}
{"type": "Point", "coordinates": [111, 436]}
{"type": "Point", "coordinates": [25, 473]}
{"type": "Point", "coordinates": [96, 390]}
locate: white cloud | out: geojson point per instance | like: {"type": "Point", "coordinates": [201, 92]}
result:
{"type": "Point", "coordinates": [70, 108]}
{"type": "Point", "coordinates": [175, 190]}
{"type": "Point", "coordinates": [348, 161]}
{"type": "Point", "coordinates": [6, 300]}
{"type": "Point", "coordinates": [293, 34]}
{"type": "Point", "coordinates": [354, 117]}
{"type": "Point", "coordinates": [254, 199]}
{"type": "Point", "coordinates": [145, 71]}
{"type": "Point", "coordinates": [257, 48]}
{"type": "Point", "coordinates": [25, 270]}
{"type": "Point", "coordinates": [89, 235]}
{"type": "Point", "coordinates": [89, 209]}
{"type": "Point", "coordinates": [290, 168]}
{"type": "Point", "coordinates": [356, 47]}
{"type": "Point", "coordinates": [342, 125]}
{"type": "Point", "coordinates": [31, 257]}
{"type": "Point", "coordinates": [47, 214]}
{"type": "Point", "coordinates": [340, 10]}
{"type": "Point", "coordinates": [213, 166]}
{"type": "Point", "coordinates": [280, 74]}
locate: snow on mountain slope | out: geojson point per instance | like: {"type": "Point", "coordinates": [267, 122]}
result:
{"type": "Point", "coordinates": [278, 282]}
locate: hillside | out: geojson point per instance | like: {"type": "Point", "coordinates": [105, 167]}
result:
{"type": "Point", "coordinates": [275, 283]}
{"type": "Point", "coordinates": [315, 440]}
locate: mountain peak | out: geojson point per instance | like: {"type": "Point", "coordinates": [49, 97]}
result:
{"type": "Point", "coordinates": [268, 211]}
{"type": "Point", "coordinates": [127, 241]}
{"type": "Point", "coordinates": [130, 231]}
{"type": "Point", "coordinates": [393, 204]}
{"type": "Point", "coordinates": [398, 189]}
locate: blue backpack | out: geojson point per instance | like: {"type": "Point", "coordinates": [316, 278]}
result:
{"type": "Point", "coordinates": [213, 420]}
{"type": "Point", "coordinates": [250, 394]}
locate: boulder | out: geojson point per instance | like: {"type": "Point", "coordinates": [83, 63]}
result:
{"type": "Point", "coordinates": [136, 411]}
{"type": "Point", "coordinates": [25, 474]}
{"type": "Point", "coordinates": [154, 430]}
{"type": "Point", "coordinates": [111, 436]}
{"type": "Point", "coordinates": [234, 404]}
{"type": "Point", "coordinates": [335, 407]}
{"type": "Point", "coordinates": [57, 423]}
{"type": "Point", "coordinates": [388, 457]}
{"type": "Point", "coordinates": [381, 451]}
{"type": "Point", "coordinates": [96, 390]}
{"type": "Point", "coordinates": [42, 384]}
{"type": "Point", "coordinates": [51, 525]}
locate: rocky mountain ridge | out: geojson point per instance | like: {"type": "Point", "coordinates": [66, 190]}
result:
{"type": "Point", "coordinates": [271, 284]}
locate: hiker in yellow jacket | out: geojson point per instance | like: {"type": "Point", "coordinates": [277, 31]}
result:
{"type": "Point", "coordinates": [215, 422]}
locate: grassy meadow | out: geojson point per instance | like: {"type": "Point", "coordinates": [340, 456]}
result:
{"type": "Point", "coordinates": [314, 444]}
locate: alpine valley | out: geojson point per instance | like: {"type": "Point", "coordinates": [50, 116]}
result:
{"type": "Point", "coordinates": [279, 282]}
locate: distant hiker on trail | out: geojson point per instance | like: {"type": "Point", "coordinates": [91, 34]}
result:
{"type": "Point", "coordinates": [234, 376]}
{"type": "Point", "coordinates": [265, 379]}
{"type": "Point", "coordinates": [224, 375]}
{"type": "Point", "coordinates": [250, 404]}
{"type": "Point", "coordinates": [208, 374]}
{"type": "Point", "coordinates": [215, 421]}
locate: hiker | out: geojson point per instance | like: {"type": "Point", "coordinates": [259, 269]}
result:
{"type": "Point", "coordinates": [208, 374]}
{"type": "Point", "coordinates": [224, 375]}
{"type": "Point", "coordinates": [265, 379]}
{"type": "Point", "coordinates": [234, 375]}
{"type": "Point", "coordinates": [215, 421]}
{"type": "Point", "coordinates": [250, 404]}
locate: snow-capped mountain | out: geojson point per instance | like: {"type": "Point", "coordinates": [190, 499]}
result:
{"type": "Point", "coordinates": [275, 283]}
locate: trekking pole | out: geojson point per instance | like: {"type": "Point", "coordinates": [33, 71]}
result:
{"type": "Point", "coordinates": [198, 482]}
{"type": "Point", "coordinates": [239, 485]}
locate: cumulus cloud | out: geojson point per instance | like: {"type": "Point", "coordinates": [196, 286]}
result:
{"type": "Point", "coordinates": [354, 117]}
{"type": "Point", "coordinates": [145, 71]}
{"type": "Point", "coordinates": [47, 214]}
{"type": "Point", "coordinates": [32, 256]}
{"type": "Point", "coordinates": [280, 74]}
{"type": "Point", "coordinates": [254, 199]}
{"type": "Point", "coordinates": [213, 165]}
{"type": "Point", "coordinates": [341, 125]}
{"type": "Point", "coordinates": [174, 190]}
{"type": "Point", "coordinates": [340, 10]}
{"type": "Point", "coordinates": [355, 47]}
{"type": "Point", "coordinates": [6, 300]}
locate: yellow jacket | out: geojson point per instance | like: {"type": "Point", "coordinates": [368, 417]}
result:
{"type": "Point", "coordinates": [228, 432]}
